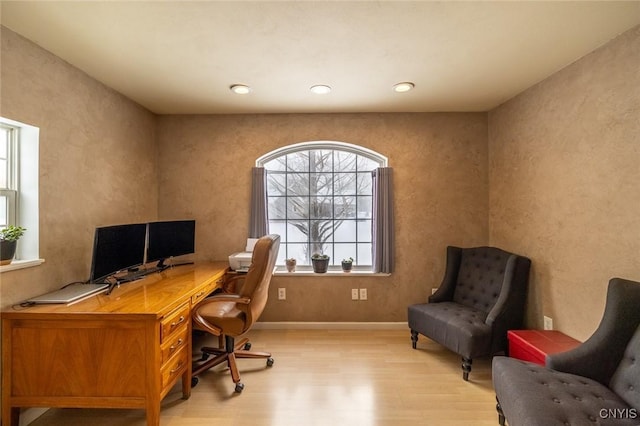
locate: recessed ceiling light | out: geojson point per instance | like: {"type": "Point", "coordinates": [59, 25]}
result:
{"type": "Point", "coordinates": [320, 89]}
{"type": "Point", "coordinates": [403, 87]}
{"type": "Point", "coordinates": [240, 89]}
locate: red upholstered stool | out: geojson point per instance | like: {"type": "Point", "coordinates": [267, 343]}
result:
{"type": "Point", "coordinates": [534, 345]}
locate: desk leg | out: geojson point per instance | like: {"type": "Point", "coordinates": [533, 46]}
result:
{"type": "Point", "coordinates": [186, 384]}
{"type": "Point", "coordinates": [10, 415]}
{"type": "Point", "coordinates": [153, 412]}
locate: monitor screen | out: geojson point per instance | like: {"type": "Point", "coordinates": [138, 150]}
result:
{"type": "Point", "coordinates": [170, 239]}
{"type": "Point", "coordinates": [116, 248]}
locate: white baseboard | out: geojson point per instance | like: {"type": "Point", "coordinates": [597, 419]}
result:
{"type": "Point", "coordinates": [295, 325]}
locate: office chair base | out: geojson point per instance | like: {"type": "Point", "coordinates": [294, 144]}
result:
{"type": "Point", "coordinates": [229, 354]}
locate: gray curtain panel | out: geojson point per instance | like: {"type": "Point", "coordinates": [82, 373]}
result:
{"type": "Point", "coordinates": [383, 231]}
{"type": "Point", "coordinates": [259, 219]}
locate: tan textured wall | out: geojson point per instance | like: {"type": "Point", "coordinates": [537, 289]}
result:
{"type": "Point", "coordinates": [441, 193]}
{"type": "Point", "coordinates": [564, 183]}
{"type": "Point", "coordinates": [98, 161]}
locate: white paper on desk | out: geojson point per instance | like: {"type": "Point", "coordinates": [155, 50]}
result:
{"type": "Point", "coordinates": [251, 242]}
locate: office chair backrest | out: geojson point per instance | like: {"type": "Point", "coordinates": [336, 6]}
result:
{"type": "Point", "coordinates": [256, 283]}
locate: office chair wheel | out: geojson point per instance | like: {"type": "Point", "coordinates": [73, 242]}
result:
{"type": "Point", "coordinates": [239, 387]}
{"type": "Point", "coordinates": [194, 382]}
{"type": "Point", "coordinates": [247, 346]}
{"type": "Point", "coordinates": [270, 362]}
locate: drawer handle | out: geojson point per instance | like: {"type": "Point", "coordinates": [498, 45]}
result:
{"type": "Point", "coordinates": [176, 323]}
{"type": "Point", "coordinates": [176, 346]}
{"type": "Point", "coordinates": [178, 367]}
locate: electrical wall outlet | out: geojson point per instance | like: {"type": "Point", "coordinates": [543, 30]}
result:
{"type": "Point", "coordinates": [433, 290]}
{"type": "Point", "coordinates": [548, 323]}
{"type": "Point", "coordinates": [363, 294]}
{"type": "Point", "coordinates": [282, 293]}
{"type": "Point", "coordinates": [354, 294]}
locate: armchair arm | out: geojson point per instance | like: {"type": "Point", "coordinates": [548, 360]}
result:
{"type": "Point", "coordinates": [509, 308]}
{"type": "Point", "coordinates": [448, 285]}
{"type": "Point", "coordinates": [599, 356]}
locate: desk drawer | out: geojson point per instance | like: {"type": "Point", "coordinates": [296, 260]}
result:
{"type": "Point", "coordinates": [174, 368]}
{"type": "Point", "coordinates": [173, 322]}
{"type": "Point", "coordinates": [174, 343]}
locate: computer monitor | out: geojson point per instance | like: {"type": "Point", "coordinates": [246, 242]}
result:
{"type": "Point", "coordinates": [170, 239]}
{"type": "Point", "coordinates": [117, 248]}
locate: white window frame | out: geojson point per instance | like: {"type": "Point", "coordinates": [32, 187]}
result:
{"type": "Point", "coordinates": [24, 189]}
{"type": "Point", "coordinates": [381, 161]}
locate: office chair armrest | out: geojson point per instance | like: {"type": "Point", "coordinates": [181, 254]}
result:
{"type": "Point", "coordinates": [231, 285]}
{"type": "Point", "coordinates": [223, 297]}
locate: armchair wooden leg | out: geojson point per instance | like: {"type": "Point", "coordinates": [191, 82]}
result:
{"type": "Point", "coordinates": [501, 418]}
{"type": "Point", "coordinates": [466, 368]}
{"type": "Point", "coordinates": [414, 339]}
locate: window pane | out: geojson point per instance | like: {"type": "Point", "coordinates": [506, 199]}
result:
{"type": "Point", "coordinates": [345, 207]}
{"type": "Point", "coordinates": [364, 231]}
{"type": "Point", "coordinates": [366, 164]}
{"type": "Point", "coordinates": [321, 208]}
{"type": "Point", "coordinates": [345, 231]}
{"type": "Point", "coordinates": [298, 161]}
{"type": "Point", "coordinates": [345, 184]}
{"type": "Point", "coordinates": [365, 183]}
{"type": "Point", "coordinates": [4, 216]}
{"type": "Point", "coordinates": [364, 207]}
{"type": "Point", "coordinates": [297, 184]}
{"type": "Point", "coordinates": [320, 161]}
{"type": "Point", "coordinates": [345, 251]}
{"type": "Point", "coordinates": [276, 184]}
{"type": "Point", "coordinates": [297, 231]}
{"type": "Point", "coordinates": [278, 227]}
{"type": "Point", "coordinates": [277, 207]}
{"type": "Point", "coordinates": [277, 164]}
{"type": "Point", "coordinates": [345, 161]}
{"type": "Point", "coordinates": [3, 174]}
{"type": "Point", "coordinates": [4, 142]}
{"type": "Point", "coordinates": [298, 252]}
{"type": "Point", "coordinates": [297, 207]}
{"type": "Point", "coordinates": [364, 254]}
{"type": "Point", "coordinates": [321, 184]}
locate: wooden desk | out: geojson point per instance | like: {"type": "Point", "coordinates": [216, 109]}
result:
{"type": "Point", "coordinates": [124, 350]}
{"type": "Point", "coordinates": [535, 345]}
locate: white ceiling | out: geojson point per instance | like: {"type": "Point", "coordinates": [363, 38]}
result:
{"type": "Point", "coordinates": [180, 57]}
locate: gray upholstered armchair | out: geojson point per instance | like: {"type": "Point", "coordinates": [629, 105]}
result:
{"type": "Point", "coordinates": [482, 296]}
{"type": "Point", "coordinates": [597, 383]}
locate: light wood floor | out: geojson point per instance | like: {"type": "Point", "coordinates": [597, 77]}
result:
{"type": "Point", "coordinates": [324, 377]}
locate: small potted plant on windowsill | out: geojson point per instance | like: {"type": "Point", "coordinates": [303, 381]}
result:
{"type": "Point", "coordinates": [320, 263]}
{"type": "Point", "coordinates": [291, 264]}
{"type": "Point", "coordinates": [9, 237]}
{"type": "Point", "coordinates": [347, 264]}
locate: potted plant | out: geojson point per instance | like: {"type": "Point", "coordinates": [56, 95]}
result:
{"type": "Point", "coordinates": [347, 264]}
{"type": "Point", "coordinates": [9, 237]}
{"type": "Point", "coordinates": [291, 264]}
{"type": "Point", "coordinates": [320, 263]}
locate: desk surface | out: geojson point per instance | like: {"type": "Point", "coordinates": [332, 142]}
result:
{"type": "Point", "coordinates": [155, 294]}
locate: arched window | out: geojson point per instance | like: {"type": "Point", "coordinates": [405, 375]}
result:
{"type": "Point", "coordinates": [320, 198]}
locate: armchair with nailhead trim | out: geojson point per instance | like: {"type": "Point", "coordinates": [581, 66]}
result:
{"type": "Point", "coordinates": [482, 295]}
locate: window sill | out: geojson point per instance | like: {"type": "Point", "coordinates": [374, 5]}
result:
{"type": "Point", "coordinates": [21, 264]}
{"type": "Point", "coordinates": [332, 274]}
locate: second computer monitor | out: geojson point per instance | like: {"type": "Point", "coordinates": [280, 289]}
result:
{"type": "Point", "coordinates": [168, 239]}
